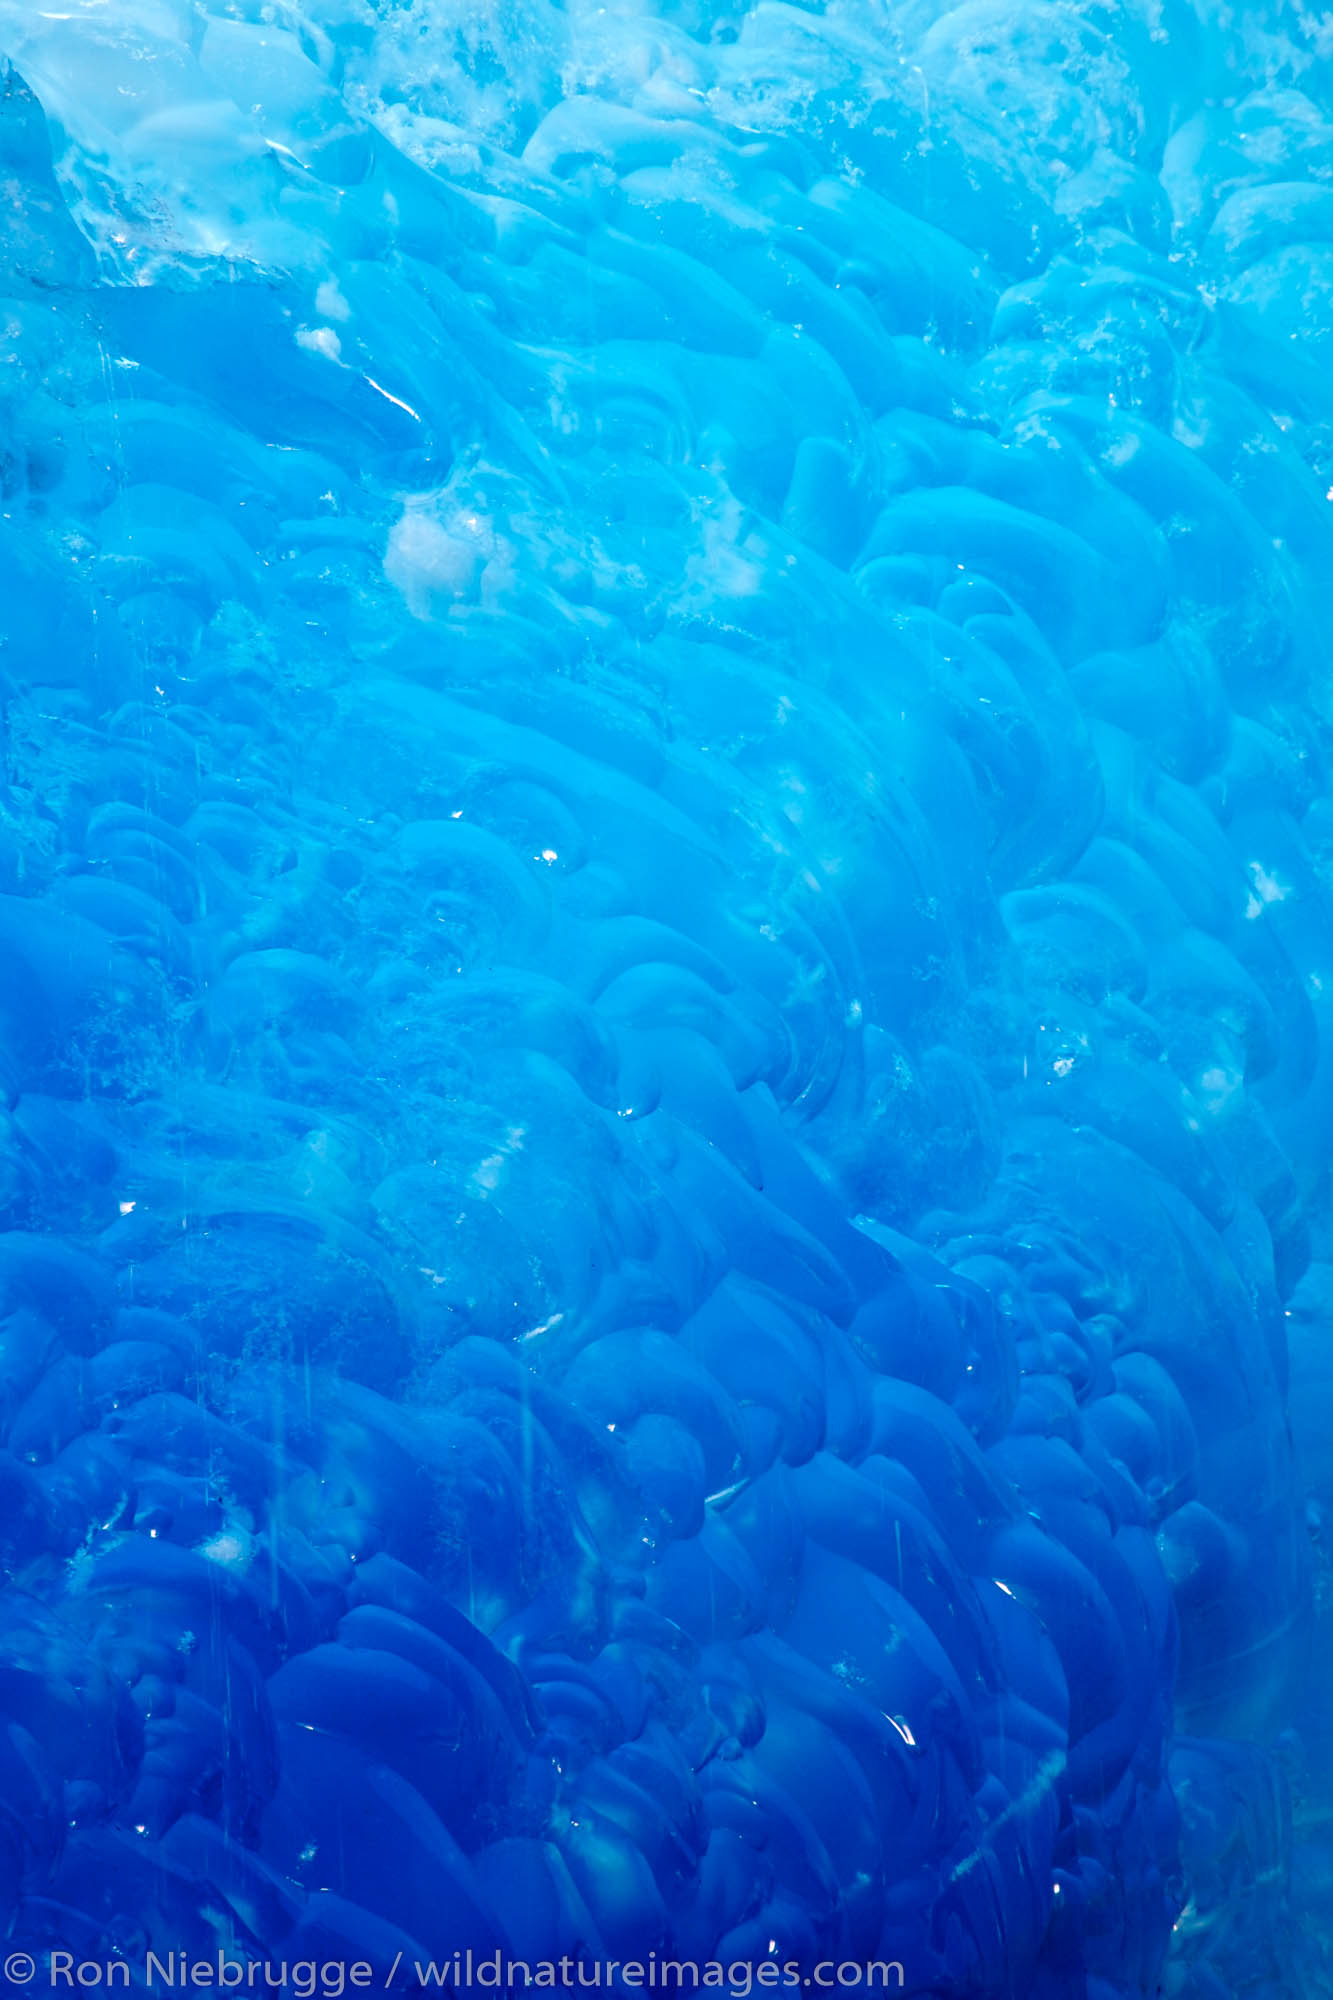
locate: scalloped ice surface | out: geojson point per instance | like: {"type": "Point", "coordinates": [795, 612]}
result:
{"type": "Point", "coordinates": [665, 1023]}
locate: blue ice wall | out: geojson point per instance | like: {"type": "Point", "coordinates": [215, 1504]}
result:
{"type": "Point", "coordinates": [666, 967]}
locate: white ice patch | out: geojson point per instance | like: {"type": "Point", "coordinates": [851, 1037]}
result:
{"type": "Point", "coordinates": [1217, 1086]}
{"type": "Point", "coordinates": [330, 303]}
{"type": "Point", "coordinates": [231, 1547]}
{"type": "Point", "coordinates": [436, 554]}
{"type": "Point", "coordinates": [320, 340]}
{"type": "Point", "coordinates": [1267, 889]}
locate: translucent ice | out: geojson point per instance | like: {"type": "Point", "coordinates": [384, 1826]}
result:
{"type": "Point", "coordinates": [664, 897]}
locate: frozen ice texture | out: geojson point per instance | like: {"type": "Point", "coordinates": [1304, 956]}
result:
{"type": "Point", "coordinates": [666, 943]}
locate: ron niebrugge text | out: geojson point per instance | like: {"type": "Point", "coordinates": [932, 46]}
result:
{"type": "Point", "coordinates": [313, 1979]}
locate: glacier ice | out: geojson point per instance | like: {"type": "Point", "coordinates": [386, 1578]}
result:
{"type": "Point", "coordinates": [665, 905]}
